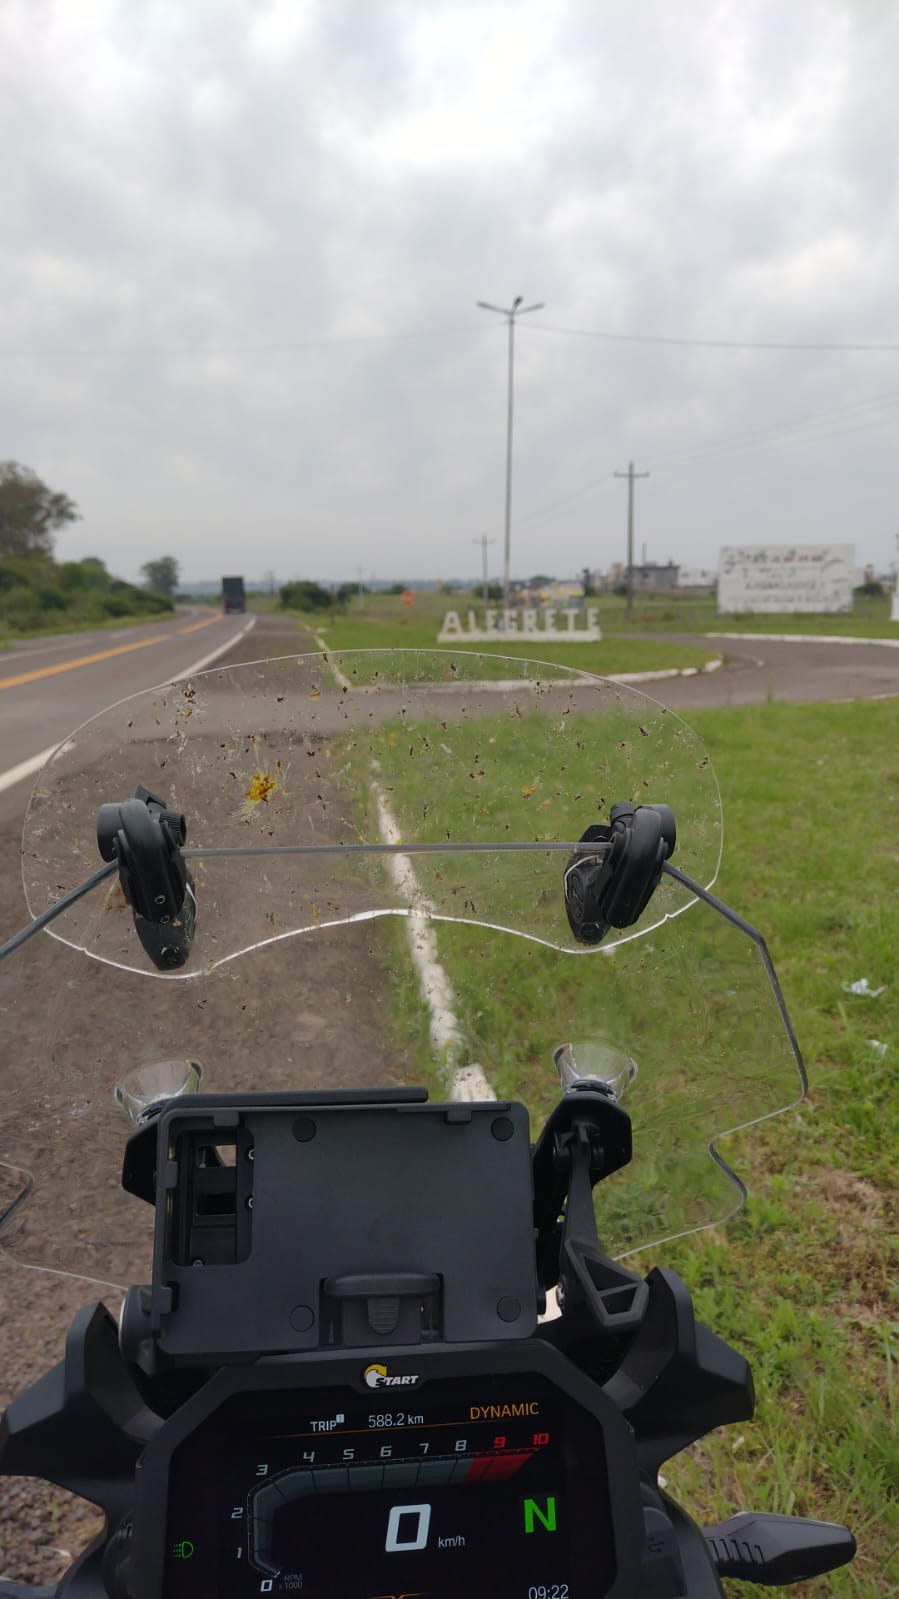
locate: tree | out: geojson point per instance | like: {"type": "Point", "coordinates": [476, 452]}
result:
{"type": "Point", "coordinates": [161, 575]}
{"type": "Point", "coordinates": [304, 595]}
{"type": "Point", "coordinates": [30, 513]}
{"type": "Point", "coordinates": [88, 573]}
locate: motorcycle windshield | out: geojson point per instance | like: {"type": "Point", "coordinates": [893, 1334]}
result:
{"type": "Point", "coordinates": [377, 843]}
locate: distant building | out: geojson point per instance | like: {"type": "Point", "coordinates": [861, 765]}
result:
{"type": "Point", "coordinates": [650, 577]}
{"type": "Point", "coordinates": [655, 579]}
{"type": "Point", "coordinates": [547, 593]}
{"type": "Point", "coordinates": [560, 592]}
{"type": "Point", "coordinates": [605, 582]}
{"type": "Point", "coordinates": [699, 578]}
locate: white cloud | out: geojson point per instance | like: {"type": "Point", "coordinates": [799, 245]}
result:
{"type": "Point", "coordinates": [216, 216]}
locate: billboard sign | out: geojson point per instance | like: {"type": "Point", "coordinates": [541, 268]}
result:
{"type": "Point", "coordinates": [785, 577]}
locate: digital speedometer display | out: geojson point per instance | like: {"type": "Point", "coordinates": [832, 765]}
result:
{"type": "Point", "coordinates": [460, 1486]}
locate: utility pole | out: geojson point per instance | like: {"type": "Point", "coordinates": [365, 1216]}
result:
{"type": "Point", "coordinates": [516, 309]}
{"type": "Point", "coordinates": [630, 474]}
{"type": "Point", "coordinates": [359, 571]}
{"type": "Point", "coordinates": [484, 541]}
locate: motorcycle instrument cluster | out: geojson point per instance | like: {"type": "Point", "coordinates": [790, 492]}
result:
{"type": "Point", "coordinates": [397, 1482]}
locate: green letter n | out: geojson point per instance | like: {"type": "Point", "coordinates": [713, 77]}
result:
{"type": "Point", "coordinates": [547, 1516]}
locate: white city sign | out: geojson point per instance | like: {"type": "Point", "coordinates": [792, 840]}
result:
{"type": "Point", "coordinates": [785, 577]}
{"type": "Point", "coordinates": [580, 626]}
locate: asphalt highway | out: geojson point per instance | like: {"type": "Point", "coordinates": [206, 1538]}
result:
{"type": "Point", "coordinates": [50, 685]}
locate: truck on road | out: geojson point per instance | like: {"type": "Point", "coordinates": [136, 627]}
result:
{"type": "Point", "coordinates": [233, 595]}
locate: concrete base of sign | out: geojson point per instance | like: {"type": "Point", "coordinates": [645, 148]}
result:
{"type": "Point", "coordinates": [894, 613]}
{"type": "Point", "coordinates": [480, 635]}
{"type": "Point", "coordinates": [529, 624]}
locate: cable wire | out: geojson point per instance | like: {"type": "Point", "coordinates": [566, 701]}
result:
{"type": "Point", "coordinates": [704, 344]}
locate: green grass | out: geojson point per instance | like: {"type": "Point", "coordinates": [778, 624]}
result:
{"type": "Point", "coordinates": [804, 1281]}
{"type": "Point", "coordinates": [869, 618]}
{"type": "Point", "coordinates": [72, 624]}
{"type": "Point", "coordinates": [384, 624]}
{"type": "Point", "coordinates": [383, 615]}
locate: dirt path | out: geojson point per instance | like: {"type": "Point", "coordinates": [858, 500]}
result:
{"type": "Point", "coordinates": [241, 1044]}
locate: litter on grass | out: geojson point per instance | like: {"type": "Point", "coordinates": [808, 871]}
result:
{"type": "Point", "coordinates": [863, 987]}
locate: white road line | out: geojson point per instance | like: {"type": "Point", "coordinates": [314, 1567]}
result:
{"type": "Point", "coordinates": [809, 638]}
{"type": "Point", "coordinates": [470, 1086]}
{"type": "Point", "coordinates": [861, 699]}
{"type": "Point", "coordinates": [17, 774]}
{"type": "Point", "coordinates": [207, 660]}
{"type": "Point", "coordinates": [343, 681]}
{"type": "Point", "coordinates": [436, 989]}
{"type": "Point", "coordinates": [467, 1083]}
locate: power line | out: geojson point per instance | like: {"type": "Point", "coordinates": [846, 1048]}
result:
{"type": "Point", "coordinates": [565, 499]}
{"type": "Point", "coordinates": [799, 432]}
{"type": "Point", "coordinates": [806, 438]}
{"type": "Point", "coordinates": [704, 344]}
{"type": "Point", "coordinates": [330, 340]}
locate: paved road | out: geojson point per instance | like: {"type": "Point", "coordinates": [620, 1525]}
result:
{"type": "Point", "coordinates": [48, 686]}
{"type": "Point", "coordinates": [758, 670]}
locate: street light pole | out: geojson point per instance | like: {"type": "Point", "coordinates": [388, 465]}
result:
{"type": "Point", "coordinates": [484, 541]}
{"type": "Point", "coordinates": [516, 309]}
{"type": "Point", "coordinates": [630, 474]}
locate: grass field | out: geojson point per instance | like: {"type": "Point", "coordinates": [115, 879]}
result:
{"type": "Point", "coordinates": [869, 618]}
{"type": "Point", "coordinates": [804, 1280]}
{"type": "Point", "coordinates": [71, 625]}
{"type": "Point", "coordinates": [418, 625]}
{"type": "Point", "coordinates": [385, 623]}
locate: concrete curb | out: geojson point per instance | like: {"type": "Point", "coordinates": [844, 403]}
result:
{"type": "Point", "coordinates": [807, 638]}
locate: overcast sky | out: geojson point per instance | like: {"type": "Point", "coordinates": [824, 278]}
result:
{"type": "Point", "coordinates": [241, 243]}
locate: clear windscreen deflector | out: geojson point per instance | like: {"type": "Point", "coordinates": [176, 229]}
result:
{"type": "Point", "coordinates": [377, 843]}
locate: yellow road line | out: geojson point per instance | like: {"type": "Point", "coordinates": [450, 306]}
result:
{"type": "Point", "coordinates": [207, 622]}
{"type": "Point", "coordinates": [83, 660]}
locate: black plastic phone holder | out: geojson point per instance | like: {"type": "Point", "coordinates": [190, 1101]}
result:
{"type": "Point", "coordinates": [612, 887]}
{"type": "Point", "coordinates": [295, 1222]}
{"type": "Point", "coordinates": [145, 837]}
